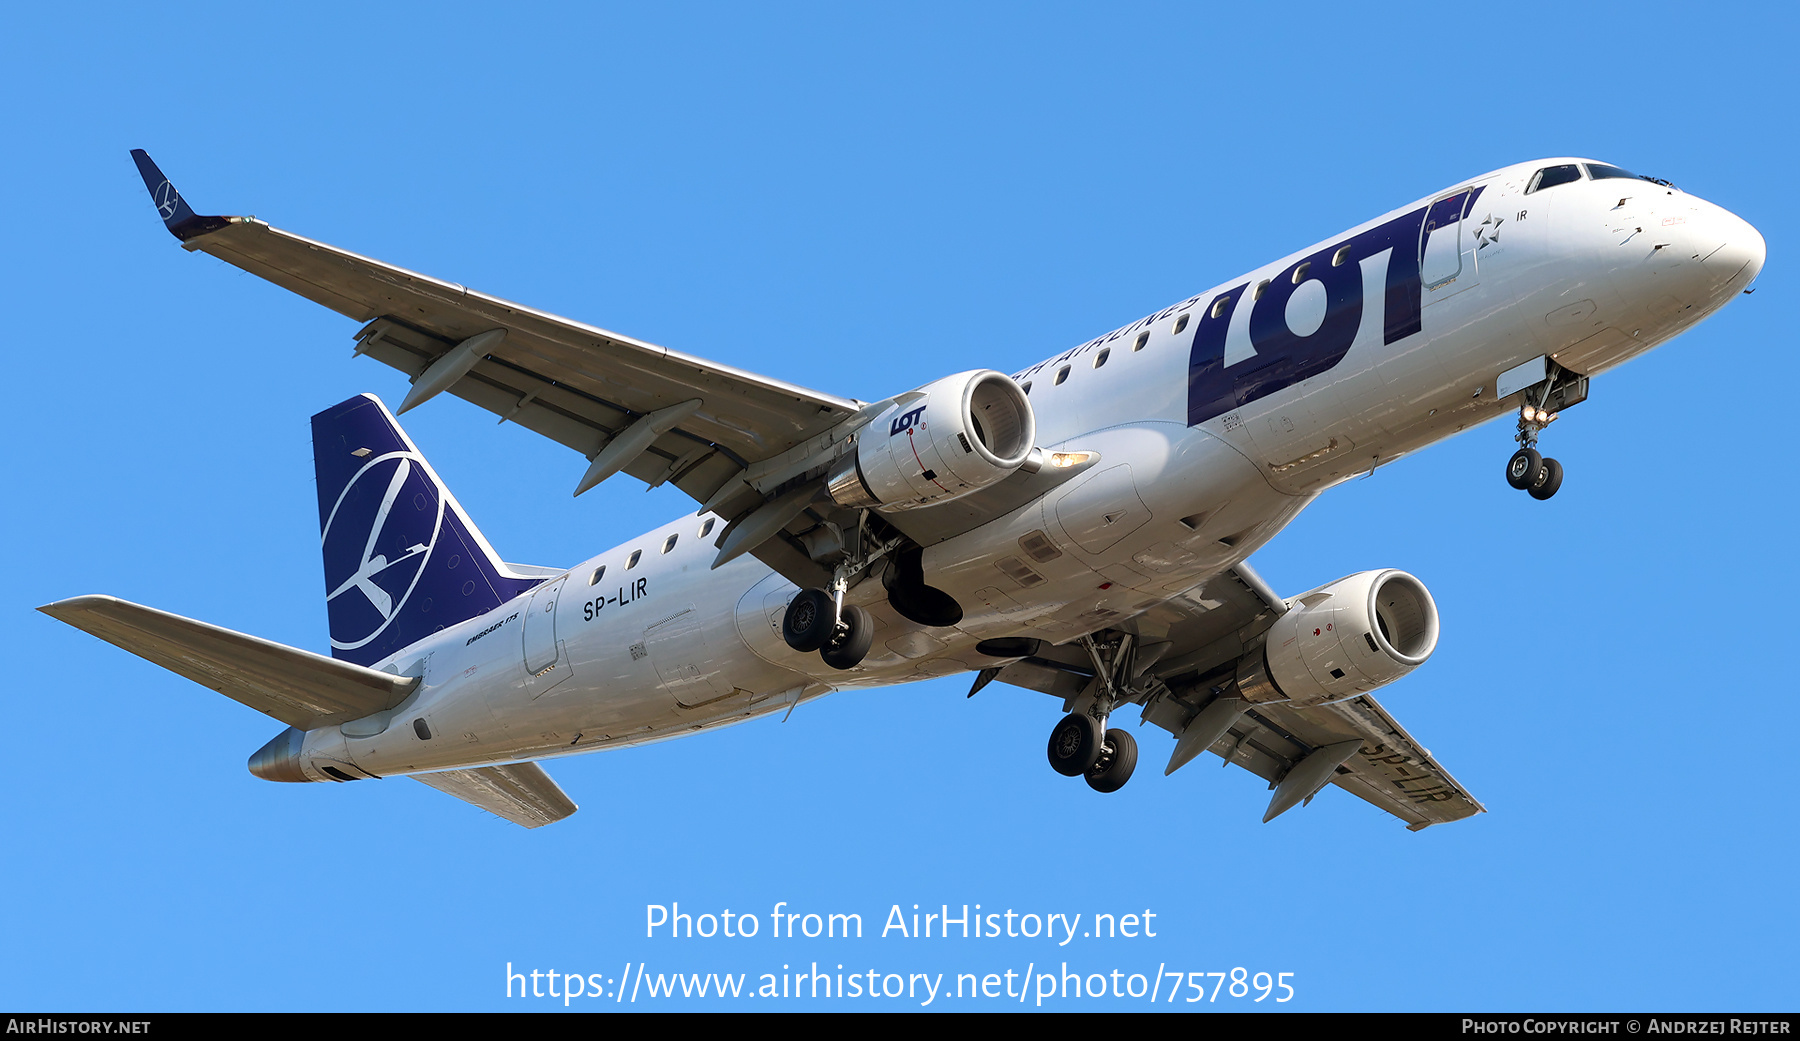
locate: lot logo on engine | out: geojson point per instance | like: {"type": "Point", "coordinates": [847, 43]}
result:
{"type": "Point", "coordinates": [907, 421]}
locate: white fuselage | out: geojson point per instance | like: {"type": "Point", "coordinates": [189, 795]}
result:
{"type": "Point", "coordinates": [1589, 273]}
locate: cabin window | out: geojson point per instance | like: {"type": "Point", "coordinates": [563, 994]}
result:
{"type": "Point", "coordinates": [1026, 387]}
{"type": "Point", "coordinates": [1551, 176]}
{"type": "Point", "coordinates": [1260, 286]}
{"type": "Point", "coordinates": [1100, 359]}
{"type": "Point", "coordinates": [706, 528]}
{"type": "Point", "coordinates": [1300, 272]}
{"type": "Point", "coordinates": [1338, 258]}
{"type": "Point", "coordinates": [1062, 374]}
{"type": "Point", "coordinates": [635, 554]}
{"type": "Point", "coordinates": [599, 573]}
{"type": "Point", "coordinates": [669, 543]}
{"type": "Point", "coordinates": [1219, 306]}
{"type": "Point", "coordinates": [1143, 338]}
{"type": "Point", "coordinates": [1180, 324]}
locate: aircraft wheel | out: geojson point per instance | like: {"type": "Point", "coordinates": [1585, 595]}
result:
{"type": "Point", "coordinates": [1116, 763]}
{"type": "Point", "coordinates": [1075, 745]}
{"type": "Point", "coordinates": [807, 624]}
{"type": "Point", "coordinates": [848, 651]}
{"type": "Point", "coordinates": [1523, 467]}
{"type": "Point", "coordinates": [1549, 479]}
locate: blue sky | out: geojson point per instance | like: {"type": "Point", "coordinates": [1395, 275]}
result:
{"type": "Point", "coordinates": [862, 200]}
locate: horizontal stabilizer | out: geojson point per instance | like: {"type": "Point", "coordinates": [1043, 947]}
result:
{"type": "Point", "coordinates": [300, 688]}
{"type": "Point", "coordinates": [522, 793]}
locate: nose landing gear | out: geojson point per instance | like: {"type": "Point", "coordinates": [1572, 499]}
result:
{"type": "Point", "coordinates": [1532, 473]}
{"type": "Point", "coordinates": [1527, 470]}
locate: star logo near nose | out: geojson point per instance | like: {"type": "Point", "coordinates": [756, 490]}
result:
{"type": "Point", "coordinates": [1487, 233]}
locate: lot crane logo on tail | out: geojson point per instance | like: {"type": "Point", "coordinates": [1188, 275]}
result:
{"type": "Point", "coordinates": [373, 563]}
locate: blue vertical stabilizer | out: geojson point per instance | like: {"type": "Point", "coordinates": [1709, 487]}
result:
{"type": "Point", "coordinates": [402, 559]}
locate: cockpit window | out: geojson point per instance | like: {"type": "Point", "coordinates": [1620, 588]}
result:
{"type": "Point", "coordinates": [1551, 176]}
{"type": "Point", "coordinates": [1600, 172]}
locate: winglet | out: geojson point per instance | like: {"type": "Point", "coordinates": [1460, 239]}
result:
{"type": "Point", "coordinates": [177, 216]}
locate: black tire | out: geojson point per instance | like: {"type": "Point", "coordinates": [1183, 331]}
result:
{"type": "Point", "coordinates": [849, 651]}
{"type": "Point", "coordinates": [1117, 761]}
{"type": "Point", "coordinates": [1549, 480]}
{"type": "Point", "coordinates": [1075, 745]}
{"type": "Point", "coordinates": [807, 624]}
{"type": "Point", "coordinates": [1523, 467]}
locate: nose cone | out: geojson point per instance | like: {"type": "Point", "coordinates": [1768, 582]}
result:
{"type": "Point", "coordinates": [279, 760]}
{"type": "Point", "coordinates": [1702, 256]}
{"type": "Point", "coordinates": [1743, 252]}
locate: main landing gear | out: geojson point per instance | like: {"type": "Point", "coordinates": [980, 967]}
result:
{"type": "Point", "coordinates": [820, 621]}
{"type": "Point", "coordinates": [1081, 745]}
{"type": "Point", "coordinates": [817, 621]}
{"type": "Point", "coordinates": [1079, 748]}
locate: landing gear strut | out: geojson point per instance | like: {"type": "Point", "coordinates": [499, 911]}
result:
{"type": "Point", "coordinates": [1081, 745]}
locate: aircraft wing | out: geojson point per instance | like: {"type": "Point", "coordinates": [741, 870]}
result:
{"type": "Point", "coordinates": [1207, 629]}
{"type": "Point", "coordinates": [521, 792]}
{"type": "Point", "coordinates": [701, 425]}
{"type": "Point", "coordinates": [300, 688]}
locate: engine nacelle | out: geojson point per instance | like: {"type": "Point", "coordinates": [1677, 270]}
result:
{"type": "Point", "coordinates": [1344, 639]}
{"type": "Point", "coordinates": [969, 431]}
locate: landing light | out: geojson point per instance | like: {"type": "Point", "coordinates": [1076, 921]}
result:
{"type": "Point", "coordinates": [1067, 459]}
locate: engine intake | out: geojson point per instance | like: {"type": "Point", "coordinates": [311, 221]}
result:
{"type": "Point", "coordinates": [967, 432]}
{"type": "Point", "coordinates": [1344, 639]}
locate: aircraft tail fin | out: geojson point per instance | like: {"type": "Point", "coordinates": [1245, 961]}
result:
{"type": "Point", "coordinates": [402, 559]}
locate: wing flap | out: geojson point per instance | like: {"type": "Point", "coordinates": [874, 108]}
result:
{"type": "Point", "coordinates": [300, 688]}
{"type": "Point", "coordinates": [521, 792]}
{"type": "Point", "coordinates": [553, 409]}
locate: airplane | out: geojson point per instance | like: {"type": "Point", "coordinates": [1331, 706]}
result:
{"type": "Point", "coordinates": [1080, 527]}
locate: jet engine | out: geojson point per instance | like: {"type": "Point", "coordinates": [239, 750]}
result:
{"type": "Point", "coordinates": [951, 437]}
{"type": "Point", "coordinates": [1344, 639]}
